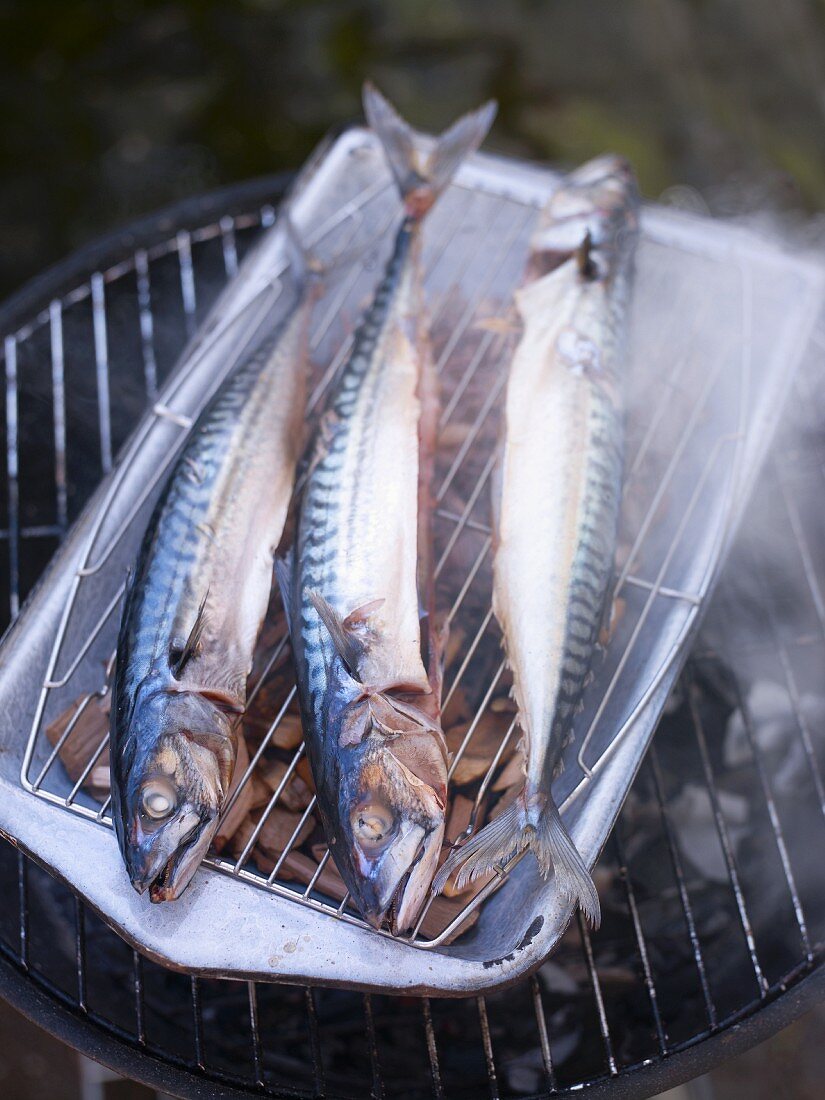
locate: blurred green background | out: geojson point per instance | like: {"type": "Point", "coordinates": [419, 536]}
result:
{"type": "Point", "coordinates": [111, 108]}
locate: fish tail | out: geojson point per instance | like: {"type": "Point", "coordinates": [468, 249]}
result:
{"type": "Point", "coordinates": [423, 166]}
{"type": "Point", "coordinates": [520, 827]}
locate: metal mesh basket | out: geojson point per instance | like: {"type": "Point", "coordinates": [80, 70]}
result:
{"type": "Point", "coordinates": [720, 320]}
{"type": "Point", "coordinates": [703, 950]}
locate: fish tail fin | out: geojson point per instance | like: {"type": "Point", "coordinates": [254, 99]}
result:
{"type": "Point", "coordinates": [423, 166]}
{"type": "Point", "coordinates": [544, 834]}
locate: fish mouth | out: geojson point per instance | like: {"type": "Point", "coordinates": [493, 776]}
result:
{"type": "Point", "coordinates": [167, 886]}
{"type": "Point", "coordinates": [166, 875]}
{"type": "Point", "coordinates": [397, 885]}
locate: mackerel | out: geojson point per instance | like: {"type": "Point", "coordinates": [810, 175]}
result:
{"type": "Point", "coordinates": [368, 675]}
{"type": "Point", "coordinates": [556, 501]}
{"type": "Point", "coordinates": [194, 607]}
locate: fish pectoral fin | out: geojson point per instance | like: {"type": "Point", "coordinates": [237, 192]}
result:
{"type": "Point", "coordinates": [349, 646]}
{"type": "Point", "coordinates": [181, 655]}
{"type": "Point", "coordinates": [584, 258]}
{"type": "Point", "coordinates": [355, 724]}
{"type": "Point", "coordinates": [361, 614]}
{"type": "Point", "coordinates": [283, 575]}
{"type": "Point", "coordinates": [396, 715]}
{"type": "Point", "coordinates": [349, 633]}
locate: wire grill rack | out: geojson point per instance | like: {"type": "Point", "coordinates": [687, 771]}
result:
{"type": "Point", "coordinates": [683, 954]}
{"type": "Point", "coordinates": [695, 420]}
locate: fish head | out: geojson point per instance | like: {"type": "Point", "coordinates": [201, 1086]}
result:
{"type": "Point", "coordinates": [391, 815]}
{"type": "Point", "coordinates": [170, 782]}
{"type": "Point", "coordinates": [597, 201]}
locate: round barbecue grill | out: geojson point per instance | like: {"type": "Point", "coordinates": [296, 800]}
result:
{"type": "Point", "coordinates": [714, 915]}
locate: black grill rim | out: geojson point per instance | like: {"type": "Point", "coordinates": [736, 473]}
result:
{"type": "Point", "coordinates": [43, 1007]}
{"type": "Point", "coordinates": [47, 1007]}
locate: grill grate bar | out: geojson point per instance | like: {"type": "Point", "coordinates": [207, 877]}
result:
{"type": "Point", "coordinates": [432, 1049]}
{"type": "Point", "coordinates": [696, 495]}
{"type": "Point", "coordinates": [378, 1090]}
{"type": "Point", "coordinates": [544, 1039]}
{"type": "Point", "coordinates": [137, 986]}
{"type": "Point", "coordinates": [488, 695]}
{"type": "Point", "coordinates": [187, 280]}
{"type": "Point", "coordinates": [684, 897]}
{"type": "Point", "coordinates": [147, 324]}
{"type": "Point", "coordinates": [776, 825]}
{"type": "Point", "coordinates": [596, 987]}
{"type": "Point", "coordinates": [314, 1043]}
{"type": "Point", "coordinates": [801, 541]}
{"type": "Point", "coordinates": [87, 769]}
{"type": "Point", "coordinates": [262, 749]}
{"type": "Point", "coordinates": [291, 842]}
{"type": "Point", "coordinates": [487, 1043]}
{"type": "Point", "coordinates": [229, 246]}
{"type": "Point", "coordinates": [724, 837]}
{"type": "Point", "coordinates": [80, 952]}
{"type": "Point", "coordinates": [472, 499]}
{"type": "Point", "coordinates": [197, 1022]}
{"type": "Point", "coordinates": [63, 680]}
{"type": "Point", "coordinates": [509, 242]}
{"type": "Point", "coordinates": [641, 943]}
{"type": "Point", "coordinates": [23, 909]}
{"type": "Point", "coordinates": [255, 1033]}
{"type": "Point", "coordinates": [803, 726]}
{"type": "Point", "coordinates": [28, 533]}
{"type": "Point", "coordinates": [273, 802]}
{"type": "Point", "coordinates": [472, 435]}
{"type": "Point", "coordinates": [59, 414]}
{"type": "Point", "coordinates": [468, 581]}
{"type": "Point", "coordinates": [104, 411]}
{"type": "Point", "coordinates": [12, 473]}
{"type": "Point", "coordinates": [337, 299]}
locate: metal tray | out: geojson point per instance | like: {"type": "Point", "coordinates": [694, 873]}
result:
{"type": "Point", "coordinates": [721, 318]}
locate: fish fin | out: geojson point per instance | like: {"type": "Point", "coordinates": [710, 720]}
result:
{"type": "Point", "coordinates": [349, 648]}
{"type": "Point", "coordinates": [512, 832]}
{"type": "Point", "coordinates": [584, 257]}
{"type": "Point", "coordinates": [421, 165]}
{"type": "Point", "coordinates": [283, 575]}
{"type": "Point", "coordinates": [179, 658]}
{"type": "Point", "coordinates": [359, 615]}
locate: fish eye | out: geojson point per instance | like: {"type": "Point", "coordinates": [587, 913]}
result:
{"type": "Point", "coordinates": [372, 824]}
{"type": "Point", "coordinates": [158, 799]}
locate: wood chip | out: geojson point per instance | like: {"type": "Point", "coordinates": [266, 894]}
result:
{"type": "Point", "coordinates": [89, 730]}
{"type": "Point", "coordinates": [453, 434]}
{"type": "Point", "coordinates": [482, 746]}
{"type": "Point", "coordinates": [289, 733]}
{"type": "Point", "coordinates": [511, 775]}
{"type": "Point", "coordinates": [296, 795]}
{"type": "Point", "coordinates": [277, 830]}
{"type": "Point", "coordinates": [232, 821]}
{"type": "Point", "coordinates": [301, 868]}
{"type": "Point", "coordinates": [442, 911]}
